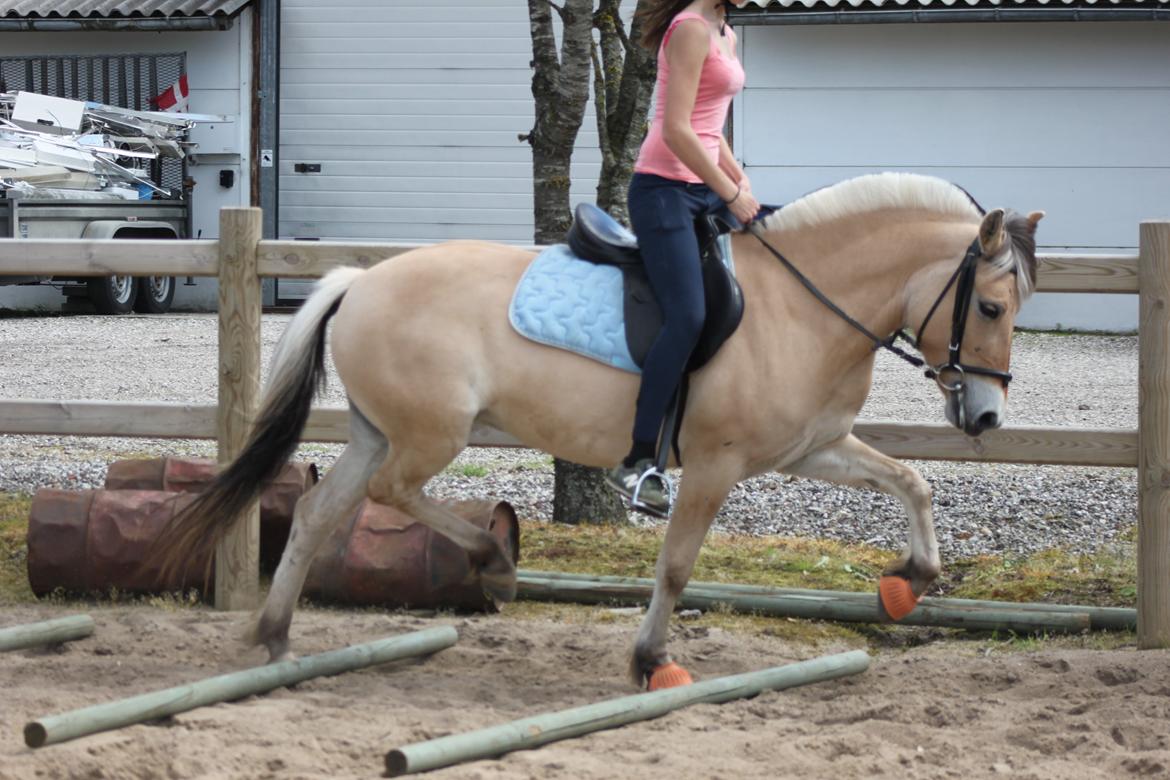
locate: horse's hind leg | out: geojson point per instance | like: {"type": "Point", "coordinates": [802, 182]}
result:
{"type": "Point", "coordinates": [849, 461]}
{"type": "Point", "coordinates": [317, 513]}
{"type": "Point", "coordinates": [419, 454]}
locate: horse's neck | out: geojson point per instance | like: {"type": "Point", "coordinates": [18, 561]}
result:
{"type": "Point", "coordinates": [863, 269]}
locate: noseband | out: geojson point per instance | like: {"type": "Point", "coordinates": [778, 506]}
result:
{"type": "Point", "coordinates": [964, 276]}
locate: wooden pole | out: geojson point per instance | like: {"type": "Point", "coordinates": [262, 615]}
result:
{"type": "Point", "coordinates": [813, 606]}
{"type": "Point", "coordinates": [237, 556]}
{"type": "Point", "coordinates": [553, 726]}
{"type": "Point", "coordinates": [49, 632]}
{"type": "Point", "coordinates": [1100, 618]}
{"type": "Point", "coordinates": [1153, 549]}
{"type": "Point", "coordinates": [229, 687]}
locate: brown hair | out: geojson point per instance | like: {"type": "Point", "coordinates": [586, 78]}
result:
{"type": "Point", "coordinates": [655, 17]}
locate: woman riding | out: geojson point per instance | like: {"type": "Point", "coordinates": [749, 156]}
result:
{"type": "Point", "coordinates": [685, 168]}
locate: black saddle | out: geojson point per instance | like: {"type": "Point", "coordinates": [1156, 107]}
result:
{"type": "Point", "coordinates": [599, 238]}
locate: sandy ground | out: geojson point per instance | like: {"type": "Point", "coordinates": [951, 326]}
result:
{"type": "Point", "coordinates": [946, 709]}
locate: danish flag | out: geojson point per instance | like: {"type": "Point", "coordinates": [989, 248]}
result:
{"type": "Point", "coordinates": [174, 97]}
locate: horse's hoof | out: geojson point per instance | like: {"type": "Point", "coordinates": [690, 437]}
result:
{"type": "Point", "coordinates": [501, 589]}
{"type": "Point", "coordinates": [669, 675]}
{"type": "Point", "coordinates": [897, 598]}
{"type": "Point", "coordinates": [281, 657]}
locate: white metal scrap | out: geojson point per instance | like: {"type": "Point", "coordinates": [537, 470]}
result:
{"type": "Point", "coordinates": [95, 155]}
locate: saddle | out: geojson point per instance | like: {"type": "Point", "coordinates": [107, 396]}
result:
{"type": "Point", "coordinates": [599, 238]}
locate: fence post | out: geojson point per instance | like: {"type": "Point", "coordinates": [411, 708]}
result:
{"type": "Point", "coordinates": [1153, 549]}
{"type": "Point", "coordinates": [237, 557]}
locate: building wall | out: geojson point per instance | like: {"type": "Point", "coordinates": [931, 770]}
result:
{"type": "Point", "coordinates": [219, 68]}
{"type": "Point", "coordinates": [413, 113]}
{"type": "Point", "coordinates": [1059, 117]}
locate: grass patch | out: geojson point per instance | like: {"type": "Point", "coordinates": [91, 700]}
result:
{"type": "Point", "coordinates": [752, 560]}
{"type": "Point", "coordinates": [1055, 576]}
{"type": "Point", "coordinates": [14, 587]}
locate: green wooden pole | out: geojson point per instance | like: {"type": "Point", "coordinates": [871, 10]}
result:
{"type": "Point", "coordinates": [1100, 618]}
{"type": "Point", "coordinates": [553, 726]}
{"type": "Point", "coordinates": [49, 632]}
{"type": "Point", "coordinates": [228, 687]}
{"type": "Point", "coordinates": [811, 604]}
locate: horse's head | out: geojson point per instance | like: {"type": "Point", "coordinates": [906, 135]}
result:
{"type": "Point", "coordinates": [966, 331]}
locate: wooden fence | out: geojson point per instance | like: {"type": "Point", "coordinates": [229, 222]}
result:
{"type": "Point", "coordinates": [240, 259]}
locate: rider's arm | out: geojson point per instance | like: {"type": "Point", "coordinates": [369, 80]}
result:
{"type": "Point", "coordinates": [729, 165]}
{"type": "Point", "coordinates": [685, 52]}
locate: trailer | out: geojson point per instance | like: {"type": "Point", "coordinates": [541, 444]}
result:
{"type": "Point", "coordinates": [85, 153]}
{"type": "Point", "coordinates": [30, 217]}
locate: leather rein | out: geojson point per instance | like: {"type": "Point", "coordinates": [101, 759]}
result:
{"type": "Point", "coordinates": [963, 279]}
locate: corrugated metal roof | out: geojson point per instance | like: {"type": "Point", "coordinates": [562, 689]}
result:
{"type": "Point", "coordinates": [846, 4]}
{"type": "Point", "coordinates": [101, 9]}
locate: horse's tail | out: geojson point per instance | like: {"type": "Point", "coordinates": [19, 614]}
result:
{"type": "Point", "coordinates": [297, 373]}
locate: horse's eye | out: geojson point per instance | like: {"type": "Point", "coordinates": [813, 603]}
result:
{"type": "Point", "coordinates": [990, 310]}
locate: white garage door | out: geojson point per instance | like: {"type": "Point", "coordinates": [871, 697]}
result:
{"type": "Point", "coordinates": [1068, 118]}
{"type": "Point", "coordinates": [399, 121]}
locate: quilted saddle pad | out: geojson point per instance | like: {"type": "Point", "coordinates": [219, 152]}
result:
{"type": "Point", "coordinates": [566, 302]}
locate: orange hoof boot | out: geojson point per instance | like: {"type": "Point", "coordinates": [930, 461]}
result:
{"type": "Point", "coordinates": [669, 675]}
{"type": "Point", "coordinates": [897, 598]}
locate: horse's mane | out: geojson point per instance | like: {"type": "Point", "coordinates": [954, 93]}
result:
{"type": "Point", "coordinates": [874, 192]}
{"type": "Point", "coordinates": [878, 191]}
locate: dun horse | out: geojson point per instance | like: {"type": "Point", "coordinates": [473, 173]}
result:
{"type": "Point", "coordinates": [425, 351]}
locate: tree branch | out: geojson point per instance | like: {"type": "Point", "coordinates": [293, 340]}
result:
{"type": "Point", "coordinates": [599, 103]}
{"type": "Point", "coordinates": [544, 41]}
{"type": "Point", "coordinates": [608, 22]}
{"type": "Point", "coordinates": [620, 29]}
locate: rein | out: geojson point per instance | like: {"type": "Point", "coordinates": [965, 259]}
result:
{"type": "Point", "coordinates": [964, 276]}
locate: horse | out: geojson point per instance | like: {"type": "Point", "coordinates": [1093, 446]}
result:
{"type": "Point", "coordinates": [424, 349]}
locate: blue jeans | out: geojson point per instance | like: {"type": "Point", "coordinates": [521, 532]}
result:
{"type": "Point", "coordinates": [662, 212]}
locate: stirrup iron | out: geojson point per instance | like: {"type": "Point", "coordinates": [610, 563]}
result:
{"type": "Point", "coordinates": [653, 473]}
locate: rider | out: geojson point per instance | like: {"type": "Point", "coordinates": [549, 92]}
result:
{"type": "Point", "coordinates": [685, 168]}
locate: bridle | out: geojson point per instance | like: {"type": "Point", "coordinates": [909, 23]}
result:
{"type": "Point", "coordinates": [963, 280]}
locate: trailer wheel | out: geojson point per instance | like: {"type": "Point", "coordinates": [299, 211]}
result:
{"type": "Point", "coordinates": [113, 294]}
{"type": "Point", "coordinates": [155, 294]}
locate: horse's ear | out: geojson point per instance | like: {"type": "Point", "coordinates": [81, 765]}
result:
{"type": "Point", "coordinates": [991, 233]}
{"type": "Point", "coordinates": [1035, 217]}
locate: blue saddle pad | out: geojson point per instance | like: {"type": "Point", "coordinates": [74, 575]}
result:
{"type": "Point", "coordinates": [566, 302]}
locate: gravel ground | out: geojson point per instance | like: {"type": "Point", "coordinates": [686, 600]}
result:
{"type": "Point", "coordinates": [1085, 381]}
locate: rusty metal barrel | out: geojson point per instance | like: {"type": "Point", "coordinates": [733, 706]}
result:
{"type": "Point", "coordinates": [192, 475]}
{"type": "Point", "coordinates": [93, 540]}
{"type": "Point", "coordinates": [384, 557]}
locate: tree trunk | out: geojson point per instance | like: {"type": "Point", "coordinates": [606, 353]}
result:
{"type": "Point", "coordinates": [624, 76]}
{"type": "Point", "coordinates": [560, 88]}
{"type": "Point", "coordinates": [625, 83]}
{"type": "Point", "coordinates": [582, 497]}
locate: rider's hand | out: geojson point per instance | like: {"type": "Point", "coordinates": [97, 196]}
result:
{"type": "Point", "coordinates": [744, 206]}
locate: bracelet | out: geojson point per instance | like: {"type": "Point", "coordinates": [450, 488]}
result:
{"type": "Point", "coordinates": [738, 190]}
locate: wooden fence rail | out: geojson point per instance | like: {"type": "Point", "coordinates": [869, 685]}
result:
{"type": "Point", "coordinates": [240, 260]}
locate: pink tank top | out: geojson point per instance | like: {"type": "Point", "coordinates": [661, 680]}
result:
{"type": "Point", "coordinates": [719, 81]}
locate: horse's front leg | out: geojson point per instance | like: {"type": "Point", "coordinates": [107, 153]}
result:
{"type": "Point", "coordinates": [849, 461]}
{"type": "Point", "coordinates": [700, 495]}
